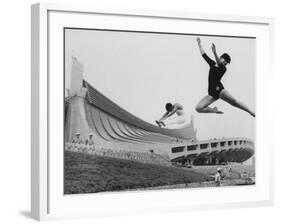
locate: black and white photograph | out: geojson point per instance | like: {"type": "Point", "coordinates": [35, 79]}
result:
{"type": "Point", "coordinates": [155, 110]}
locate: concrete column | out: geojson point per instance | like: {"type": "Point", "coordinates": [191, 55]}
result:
{"type": "Point", "coordinates": [75, 115]}
{"type": "Point", "coordinates": [76, 79]}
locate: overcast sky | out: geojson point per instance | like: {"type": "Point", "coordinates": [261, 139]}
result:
{"type": "Point", "coordinates": [141, 72]}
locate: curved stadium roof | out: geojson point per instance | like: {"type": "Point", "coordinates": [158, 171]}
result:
{"type": "Point", "coordinates": [97, 99]}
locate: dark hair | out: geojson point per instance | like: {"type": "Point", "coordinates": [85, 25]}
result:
{"type": "Point", "coordinates": [226, 57]}
{"type": "Point", "coordinates": [169, 107]}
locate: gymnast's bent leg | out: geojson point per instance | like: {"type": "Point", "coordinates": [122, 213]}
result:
{"type": "Point", "coordinates": [203, 105]}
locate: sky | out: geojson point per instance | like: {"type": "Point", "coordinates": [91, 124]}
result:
{"type": "Point", "coordinates": [141, 72]}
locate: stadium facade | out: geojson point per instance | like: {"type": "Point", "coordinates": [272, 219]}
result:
{"type": "Point", "coordinates": [114, 130]}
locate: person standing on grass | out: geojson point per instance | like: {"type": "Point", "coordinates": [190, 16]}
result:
{"type": "Point", "coordinates": [90, 141]}
{"type": "Point", "coordinates": [218, 177]}
{"type": "Point", "coordinates": [216, 89]}
{"type": "Point", "coordinates": [77, 139]}
{"type": "Point", "coordinates": [76, 142]}
{"type": "Point", "coordinates": [90, 144]}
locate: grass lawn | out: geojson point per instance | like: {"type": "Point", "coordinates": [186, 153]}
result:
{"type": "Point", "coordinates": [90, 173]}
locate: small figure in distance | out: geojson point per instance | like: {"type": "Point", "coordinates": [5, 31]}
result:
{"type": "Point", "coordinates": [171, 109]}
{"type": "Point", "coordinates": [90, 140]}
{"type": "Point", "coordinates": [216, 89]}
{"type": "Point", "coordinates": [218, 177]}
{"type": "Point", "coordinates": [77, 139]}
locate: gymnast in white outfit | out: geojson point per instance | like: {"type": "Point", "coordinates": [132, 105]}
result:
{"type": "Point", "coordinates": [168, 120]}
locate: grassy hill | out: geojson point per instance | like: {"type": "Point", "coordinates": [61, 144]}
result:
{"type": "Point", "coordinates": [90, 173]}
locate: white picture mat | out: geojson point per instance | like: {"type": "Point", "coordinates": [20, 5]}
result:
{"type": "Point", "coordinates": [151, 201]}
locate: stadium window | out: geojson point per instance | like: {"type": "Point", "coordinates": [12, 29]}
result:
{"type": "Point", "coordinates": [177, 149]}
{"type": "Point", "coordinates": [191, 147]}
{"type": "Point", "coordinates": [204, 146]}
{"type": "Point", "coordinates": [214, 144]}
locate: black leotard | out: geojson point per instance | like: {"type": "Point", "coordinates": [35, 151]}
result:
{"type": "Point", "coordinates": [215, 75]}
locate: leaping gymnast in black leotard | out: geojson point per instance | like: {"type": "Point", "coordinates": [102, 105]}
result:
{"type": "Point", "coordinates": [216, 90]}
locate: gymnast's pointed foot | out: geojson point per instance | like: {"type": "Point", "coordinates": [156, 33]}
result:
{"type": "Point", "coordinates": [217, 111]}
{"type": "Point", "coordinates": [158, 123]}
